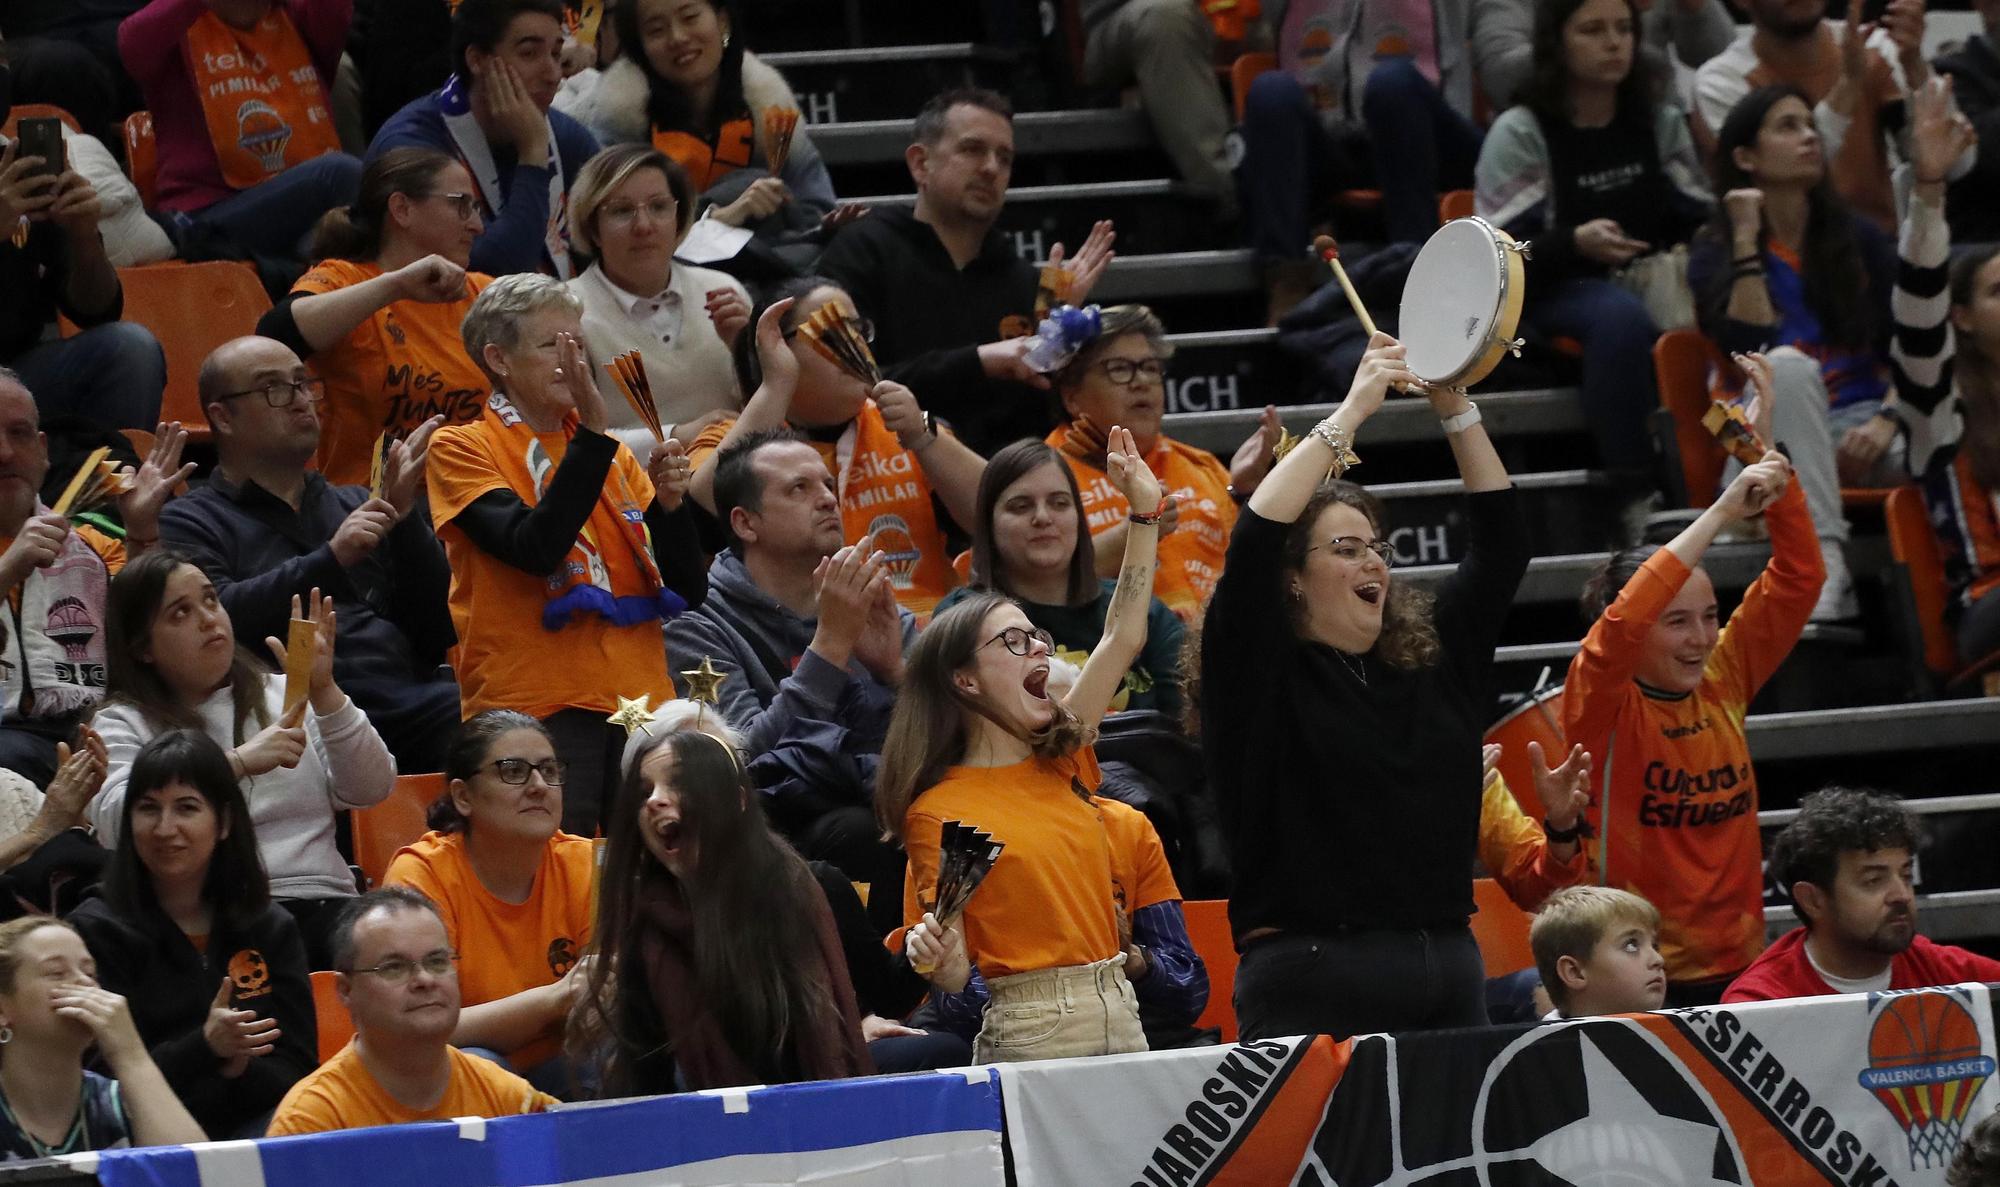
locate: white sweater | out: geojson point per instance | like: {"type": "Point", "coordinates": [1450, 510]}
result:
{"type": "Point", "coordinates": [691, 375]}
{"type": "Point", "coordinates": [345, 766]}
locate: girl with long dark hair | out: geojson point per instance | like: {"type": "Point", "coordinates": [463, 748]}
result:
{"type": "Point", "coordinates": [174, 664]}
{"type": "Point", "coordinates": [513, 889]}
{"type": "Point", "coordinates": [1598, 170]}
{"type": "Point", "coordinates": [977, 738]}
{"type": "Point", "coordinates": [717, 959]}
{"type": "Point", "coordinates": [1788, 268]}
{"type": "Point", "coordinates": [377, 316]}
{"type": "Point", "coordinates": [186, 930]}
{"type": "Point", "coordinates": [1341, 715]}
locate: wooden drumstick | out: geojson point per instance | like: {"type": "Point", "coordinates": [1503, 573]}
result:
{"type": "Point", "coordinates": [1330, 252]}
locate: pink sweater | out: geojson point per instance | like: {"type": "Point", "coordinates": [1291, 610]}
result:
{"type": "Point", "coordinates": [151, 41]}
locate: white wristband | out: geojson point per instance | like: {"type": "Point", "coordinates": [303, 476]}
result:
{"type": "Point", "coordinates": [1461, 422]}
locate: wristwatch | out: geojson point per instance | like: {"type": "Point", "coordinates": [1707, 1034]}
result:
{"type": "Point", "coordinates": [1574, 832]}
{"type": "Point", "coordinates": [1461, 422]}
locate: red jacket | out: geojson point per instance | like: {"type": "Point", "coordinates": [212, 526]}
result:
{"type": "Point", "coordinates": [1783, 970]}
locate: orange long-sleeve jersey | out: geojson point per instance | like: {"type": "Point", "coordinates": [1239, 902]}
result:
{"type": "Point", "coordinates": [1676, 804]}
{"type": "Point", "coordinates": [1515, 850]}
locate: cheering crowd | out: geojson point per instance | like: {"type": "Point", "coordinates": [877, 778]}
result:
{"type": "Point", "coordinates": [733, 553]}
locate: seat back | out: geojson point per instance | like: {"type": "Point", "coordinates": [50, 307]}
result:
{"type": "Point", "coordinates": [37, 111]}
{"type": "Point", "coordinates": [1915, 548]}
{"type": "Point", "coordinates": [1455, 204]}
{"type": "Point", "coordinates": [192, 309]}
{"type": "Point", "coordinates": [335, 1026]}
{"type": "Point", "coordinates": [1501, 929]}
{"type": "Point", "coordinates": [142, 160]}
{"type": "Point", "coordinates": [1242, 72]}
{"type": "Point", "coordinates": [1208, 928]}
{"type": "Point", "coordinates": [1681, 362]}
{"type": "Point", "coordinates": [381, 830]}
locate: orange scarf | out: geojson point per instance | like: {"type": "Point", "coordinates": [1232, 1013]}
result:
{"type": "Point", "coordinates": [708, 162]}
{"type": "Point", "coordinates": [261, 95]}
{"type": "Point", "coordinates": [619, 584]}
{"type": "Point", "coordinates": [883, 491]}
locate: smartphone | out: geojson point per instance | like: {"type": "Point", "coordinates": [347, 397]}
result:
{"type": "Point", "coordinates": [42, 137]}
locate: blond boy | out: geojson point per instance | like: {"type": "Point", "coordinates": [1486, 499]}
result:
{"type": "Point", "coordinates": [1598, 952]}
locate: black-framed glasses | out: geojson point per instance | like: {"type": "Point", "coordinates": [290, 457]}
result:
{"type": "Point", "coordinates": [1128, 371]}
{"type": "Point", "coordinates": [1354, 550]}
{"type": "Point", "coordinates": [396, 970]}
{"type": "Point", "coordinates": [1020, 640]}
{"type": "Point", "coordinates": [279, 393]}
{"type": "Point", "coordinates": [515, 770]}
{"type": "Point", "coordinates": [462, 204]}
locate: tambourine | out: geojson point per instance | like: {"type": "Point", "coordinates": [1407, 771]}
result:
{"type": "Point", "coordinates": [1462, 302]}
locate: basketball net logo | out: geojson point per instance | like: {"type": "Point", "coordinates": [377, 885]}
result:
{"type": "Point", "coordinates": [1925, 1066]}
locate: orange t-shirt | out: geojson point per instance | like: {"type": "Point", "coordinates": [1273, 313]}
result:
{"type": "Point", "coordinates": [1140, 876]}
{"type": "Point", "coordinates": [1676, 809]}
{"type": "Point", "coordinates": [261, 96]}
{"type": "Point", "coordinates": [342, 1094]}
{"type": "Point", "coordinates": [504, 658]}
{"type": "Point", "coordinates": [1190, 558]}
{"type": "Point", "coordinates": [505, 948]}
{"type": "Point", "coordinates": [1049, 901]}
{"type": "Point", "coordinates": [883, 491]}
{"type": "Point", "coordinates": [403, 365]}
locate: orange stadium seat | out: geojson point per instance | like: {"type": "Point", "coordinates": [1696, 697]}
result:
{"type": "Point", "coordinates": [1501, 929]}
{"type": "Point", "coordinates": [1208, 928]}
{"type": "Point", "coordinates": [1915, 549]}
{"type": "Point", "coordinates": [335, 1027]}
{"type": "Point", "coordinates": [395, 822]}
{"type": "Point", "coordinates": [1681, 362]}
{"type": "Point", "coordinates": [1242, 72]}
{"type": "Point", "coordinates": [191, 309]}
{"type": "Point", "coordinates": [33, 111]}
{"type": "Point", "coordinates": [1455, 204]}
{"type": "Point", "coordinates": [141, 154]}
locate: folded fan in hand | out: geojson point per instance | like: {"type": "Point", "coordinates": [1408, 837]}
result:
{"type": "Point", "coordinates": [629, 369]}
{"type": "Point", "coordinates": [1734, 432]}
{"type": "Point", "coordinates": [96, 483]}
{"type": "Point", "coordinates": [836, 333]}
{"type": "Point", "coordinates": [1052, 289]}
{"type": "Point", "coordinates": [375, 466]}
{"type": "Point", "coordinates": [965, 856]}
{"type": "Point", "coordinates": [779, 125]}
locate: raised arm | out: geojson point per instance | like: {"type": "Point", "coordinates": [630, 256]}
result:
{"type": "Point", "coordinates": [1286, 490]}
{"type": "Point", "coordinates": [323, 320]}
{"type": "Point", "coordinates": [951, 466]}
{"type": "Point", "coordinates": [1125, 624]}
{"type": "Point", "coordinates": [766, 408]}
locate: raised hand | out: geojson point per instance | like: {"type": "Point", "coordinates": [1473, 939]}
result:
{"type": "Point", "coordinates": [433, 280]}
{"type": "Point", "coordinates": [780, 365]}
{"type": "Point", "coordinates": [362, 532]}
{"type": "Point", "coordinates": [1127, 469]}
{"type": "Point", "coordinates": [1254, 457]}
{"type": "Point", "coordinates": [1903, 21]}
{"type": "Point", "coordinates": [79, 777]}
{"type": "Point", "coordinates": [280, 744]}
{"type": "Point", "coordinates": [1939, 132]}
{"type": "Point", "coordinates": [1383, 366]}
{"type": "Point", "coordinates": [1854, 45]}
{"type": "Point", "coordinates": [900, 412]}
{"type": "Point", "coordinates": [879, 646]}
{"type": "Point", "coordinates": [152, 484]}
{"type": "Point", "coordinates": [1565, 790]}
{"type": "Point", "coordinates": [729, 310]}
{"type": "Point", "coordinates": [573, 369]}
{"type": "Point", "coordinates": [403, 467]}
{"type": "Point", "coordinates": [22, 190]}
{"type": "Point", "coordinates": [1763, 403]}
{"type": "Point", "coordinates": [843, 584]}
{"type": "Point", "coordinates": [39, 543]}
{"type": "Point", "coordinates": [669, 469]}
{"type": "Point", "coordinates": [322, 670]}
{"type": "Point", "coordinates": [1089, 262]}
{"type": "Point", "coordinates": [1745, 207]}
{"type": "Point", "coordinates": [1756, 487]}
{"type": "Point", "coordinates": [75, 208]}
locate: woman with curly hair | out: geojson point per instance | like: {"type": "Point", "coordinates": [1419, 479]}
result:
{"type": "Point", "coordinates": [1658, 692]}
{"type": "Point", "coordinates": [1341, 716]}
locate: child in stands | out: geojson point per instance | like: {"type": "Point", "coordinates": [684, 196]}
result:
{"type": "Point", "coordinates": [1598, 950]}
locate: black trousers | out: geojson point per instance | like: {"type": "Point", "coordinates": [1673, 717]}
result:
{"type": "Point", "coordinates": [850, 840]}
{"type": "Point", "coordinates": [1360, 982]}
{"type": "Point", "coordinates": [592, 747]}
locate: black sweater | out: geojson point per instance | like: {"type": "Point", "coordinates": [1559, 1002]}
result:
{"type": "Point", "coordinates": [169, 987]}
{"type": "Point", "coordinates": [931, 316]}
{"type": "Point", "coordinates": [1350, 806]}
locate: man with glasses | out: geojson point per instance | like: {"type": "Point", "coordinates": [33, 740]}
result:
{"type": "Point", "coordinates": [951, 301]}
{"type": "Point", "coordinates": [395, 971]}
{"type": "Point", "coordinates": [267, 528]}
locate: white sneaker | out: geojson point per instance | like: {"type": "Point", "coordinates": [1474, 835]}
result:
{"type": "Point", "coordinates": [1836, 598]}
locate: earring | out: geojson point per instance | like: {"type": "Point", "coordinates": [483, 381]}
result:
{"type": "Point", "coordinates": [725, 41]}
{"type": "Point", "coordinates": [6, 1034]}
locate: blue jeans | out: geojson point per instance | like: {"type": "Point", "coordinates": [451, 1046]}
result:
{"type": "Point", "coordinates": [276, 217]}
{"type": "Point", "coordinates": [1290, 163]}
{"type": "Point", "coordinates": [1423, 146]}
{"type": "Point", "coordinates": [111, 375]}
{"type": "Point", "coordinates": [1620, 393]}
{"type": "Point", "coordinates": [919, 1053]}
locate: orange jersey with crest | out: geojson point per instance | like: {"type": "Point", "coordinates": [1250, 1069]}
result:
{"type": "Point", "coordinates": [1676, 803]}
{"type": "Point", "coordinates": [261, 96]}
{"type": "Point", "coordinates": [883, 491]}
{"type": "Point", "coordinates": [709, 161]}
{"type": "Point", "coordinates": [1190, 557]}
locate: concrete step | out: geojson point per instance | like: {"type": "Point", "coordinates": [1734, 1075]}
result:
{"type": "Point", "coordinates": [1558, 578]}
{"type": "Point", "coordinates": [887, 82]}
{"type": "Point", "coordinates": [1210, 273]}
{"type": "Point", "coordinates": [1400, 421]}
{"type": "Point", "coordinates": [1036, 134]}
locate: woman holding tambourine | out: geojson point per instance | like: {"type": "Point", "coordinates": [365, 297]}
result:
{"type": "Point", "coordinates": [1341, 716]}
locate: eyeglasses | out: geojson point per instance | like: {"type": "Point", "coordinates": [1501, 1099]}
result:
{"type": "Point", "coordinates": [279, 393]}
{"type": "Point", "coordinates": [660, 210]}
{"type": "Point", "coordinates": [396, 970]}
{"type": "Point", "coordinates": [515, 770]}
{"type": "Point", "coordinates": [1354, 550]}
{"type": "Point", "coordinates": [463, 205]}
{"type": "Point", "coordinates": [1128, 371]}
{"type": "Point", "coordinates": [1019, 640]}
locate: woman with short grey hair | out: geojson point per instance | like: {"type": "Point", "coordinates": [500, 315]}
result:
{"type": "Point", "coordinates": [566, 553]}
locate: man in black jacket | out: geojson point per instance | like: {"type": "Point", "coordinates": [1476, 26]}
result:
{"type": "Point", "coordinates": [1973, 203]}
{"type": "Point", "coordinates": [267, 529]}
{"type": "Point", "coordinates": [951, 302]}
